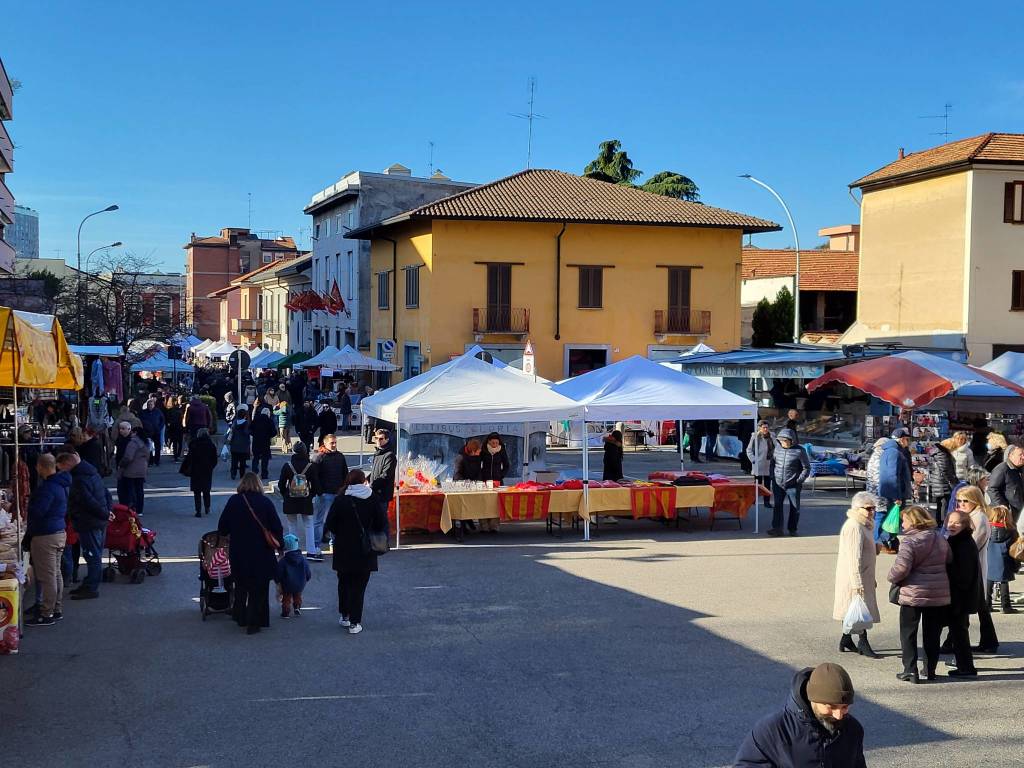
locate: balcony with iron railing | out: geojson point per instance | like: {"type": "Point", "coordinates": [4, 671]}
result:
{"type": "Point", "coordinates": [246, 325]}
{"type": "Point", "coordinates": [6, 150]}
{"type": "Point", "coordinates": [272, 327]}
{"type": "Point", "coordinates": [6, 203]}
{"type": "Point", "coordinates": [682, 322]}
{"type": "Point", "coordinates": [6, 95]}
{"type": "Point", "coordinates": [505, 321]}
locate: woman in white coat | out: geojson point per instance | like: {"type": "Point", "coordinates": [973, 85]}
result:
{"type": "Point", "coordinates": [759, 451]}
{"type": "Point", "coordinates": [855, 569]}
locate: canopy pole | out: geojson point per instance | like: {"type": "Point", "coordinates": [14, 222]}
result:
{"type": "Point", "coordinates": [757, 491]}
{"type": "Point", "coordinates": [679, 439]}
{"type": "Point", "coordinates": [526, 451]}
{"type": "Point", "coordinates": [16, 509]}
{"type": "Point", "coordinates": [362, 432]}
{"type": "Point", "coordinates": [586, 483]}
{"type": "Point", "coordinates": [398, 474]}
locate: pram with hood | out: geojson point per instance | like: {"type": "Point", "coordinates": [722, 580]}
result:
{"type": "Point", "coordinates": [130, 546]}
{"type": "Point", "coordinates": [217, 586]}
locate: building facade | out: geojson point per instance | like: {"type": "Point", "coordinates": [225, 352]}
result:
{"type": "Point", "coordinates": [7, 214]}
{"type": "Point", "coordinates": [588, 272]}
{"type": "Point", "coordinates": [26, 233]}
{"type": "Point", "coordinates": [341, 266]}
{"type": "Point", "coordinates": [298, 329]}
{"type": "Point", "coordinates": [942, 236]}
{"type": "Point", "coordinates": [211, 263]}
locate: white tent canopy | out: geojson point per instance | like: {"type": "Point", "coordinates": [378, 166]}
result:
{"type": "Point", "coordinates": [202, 346]}
{"type": "Point", "coordinates": [349, 359]}
{"type": "Point", "coordinates": [266, 358]}
{"type": "Point", "coordinates": [498, 363]}
{"type": "Point", "coordinates": [224, 349]}
{"type": "Point", "coordinates": [1009, 365]}
{"type": "Point", "coordinates": [637, 388]}
{"type": "Point", "coordinates": [468, 391]}
{"type": "Point", "coordinates": [163, 364]}
{"type": "Point", "coordinates": [321, 360]}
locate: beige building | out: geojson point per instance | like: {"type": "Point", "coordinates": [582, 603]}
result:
{"type": "Point", "coordinates": [942, 248]}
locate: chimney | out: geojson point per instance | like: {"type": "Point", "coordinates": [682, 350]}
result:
{"type": "Point", "coordinates": [899, 154]}
{"type": "Point", "coordinates": [397, 169]}
{"type": "Point", "coordinates": [438, 176]}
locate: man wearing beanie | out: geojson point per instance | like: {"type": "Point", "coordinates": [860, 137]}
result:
{"type": "Point", "coordinates": [813, 729]}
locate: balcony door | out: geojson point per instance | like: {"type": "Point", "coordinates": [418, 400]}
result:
{"type": "Point", "coordinates": [679, 299]}
{"type": "Point", "coordinates": [499, 296]}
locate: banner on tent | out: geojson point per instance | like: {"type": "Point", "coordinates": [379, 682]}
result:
{"type": "Point", "coordinates": [763, 371]}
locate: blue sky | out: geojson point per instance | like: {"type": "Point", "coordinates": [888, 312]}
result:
{"type": "Point", "coordinates": [176, 111]}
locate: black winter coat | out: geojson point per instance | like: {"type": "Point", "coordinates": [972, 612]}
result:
{"type": "Point", "coordinates": [494, 466]}
{"type": "Point", "coordinates": [349, 555]}
{"type": "Point", "coordinates": [466, 467]}
{"type": "Point", "coordinates": [942, 477]}
{"type": "Point", "coordinates": [331, 471]}
{"type": "Point", "coordinates": [965, 580]}
{"type": "Point", "coordinates": [612, 460]}
{"type": "Point", "coordinates": [173, 419]}
{"type": "Point", "coordinates": [327, 421]}
{"type": "Point", "coordinates": [793, 737]}
{"type": "Point", "coordinates": [790, 466]}
{"type": "Point", "coordinates": [382, 474]}
{"type": "Point", "coordinates": [993, 459]}
{"type": "Point", "coordinates": [300, 505]}
{"type": "Point", "coordinates": [241, 438]}
{"type": "Point", "coordinates": [199, 463]}
{"type": "Point", "coordinates": [1001, 567]}
{"type": "Point", "coordinates": [1006, 488]}
{"type": "Point", "coordinates": [263, 431]}
{"type": "Point", "coordinates": [89, 502]}
{"type": "Point", "coordinates": [248, 552]}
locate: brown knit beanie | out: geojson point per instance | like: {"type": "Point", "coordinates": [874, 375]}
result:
{"type": "Point", "coordinates": [830, 684]}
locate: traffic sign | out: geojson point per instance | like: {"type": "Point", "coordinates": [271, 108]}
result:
{"type": "Point", "coordinates": [240, 359]}
{"type": "Point", "coordinates": [389, 356]}
{"type": "Point", "coordinates": [528, 359]}
{"type": "Point", "coordinates": [388, 346]}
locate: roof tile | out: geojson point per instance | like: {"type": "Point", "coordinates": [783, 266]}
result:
{"type": "Point", "coordinates": [820, 270]}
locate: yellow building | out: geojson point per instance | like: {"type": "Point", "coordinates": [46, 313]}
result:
{"type": "Point", "coordinates": [589, 272]}
{"type": "Point", "coordinates": [942, 248]}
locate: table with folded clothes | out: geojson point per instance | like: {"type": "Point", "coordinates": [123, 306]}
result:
{"type": "Point", "coordinates": [525, 502]}
{"type": "Point", "coordinates": [733, 498]}
{"type": "Point", "coordinates": [643, 499]}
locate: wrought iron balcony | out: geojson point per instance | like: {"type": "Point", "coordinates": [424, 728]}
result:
{"type": "Point", "coordinates": [508, 321]}
{"type": "Point", "coordinates": [682, 322]}
{"type": "Point", "coordinates": [246, 325]}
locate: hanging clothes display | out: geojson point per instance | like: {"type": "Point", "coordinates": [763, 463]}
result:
{"type": "Point", "coordinates": [96, 378]}
{"type": "Point", "coordinates": [99, 413]}
{"type": "Point", "coordinates": [112, 378]}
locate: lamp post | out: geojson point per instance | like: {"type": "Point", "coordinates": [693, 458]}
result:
{"type": "Point", "coordinates": [85, 296]}
{"type": "Point", "coordinates": [79, 262]}
{"type": "Point", "coordinates": [796, 238]}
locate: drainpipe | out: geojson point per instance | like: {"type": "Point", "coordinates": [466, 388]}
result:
{"type": "Point", "coordinates": [394, 288]}
{"type": "Point", "coordinates": [558, 282]}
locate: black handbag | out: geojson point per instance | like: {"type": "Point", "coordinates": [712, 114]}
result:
{"type": "Point", "coordinates": [894, 594]}
{"type": "Point", "coordinates": [374, 542]}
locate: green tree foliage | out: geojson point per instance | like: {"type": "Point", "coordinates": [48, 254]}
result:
{"type": "Point", "coordinates": [773, 320]}
{"type": "Point", "coordinates": [51, 283]}
{"type": "Point", "coordinates": [613, 165]}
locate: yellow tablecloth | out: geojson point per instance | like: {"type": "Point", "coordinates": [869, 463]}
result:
{"type": "Point", "coordinates": [617, 501]}
{"type": "Point", "coordinates": [483, 505]}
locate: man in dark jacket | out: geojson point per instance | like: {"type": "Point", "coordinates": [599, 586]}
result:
{"type": "Point", "coordinates": [47, 510]}
{"type": "Point", "coordinates": [345, 409]}
{"type": "Point", "coordinates": [331, 471]}
{"type": "Point", "coordinates": [89, 505]}
{"type": "Point", "coordinates": [1006, 485]}
{"type": "Point", "coordinates": [382, 473]}
{"type": "Point", "coordinates": [965, 590]}
{"type": "Point", "coordinates": [941, 479]}
{"type": "Point", "coordinates": [790, 470]}
{"type": "Point", "coordinates": [895, 483]}
{"type": "Point", "coordinates": [814, 729]}
{"type": "Point", "coordinates": [327, 420]}
{"type": "Point", "coordinates": [263, 432]}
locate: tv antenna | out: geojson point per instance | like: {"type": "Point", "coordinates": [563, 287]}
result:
{"type": "Point", "coordinates": [944, 117]}
{"type": "Point", "coordinates": [529, 117]}
{"type": "Point", "coordinates": [430, 163]}
{"type": "Point", "coordinates": [250, 210]}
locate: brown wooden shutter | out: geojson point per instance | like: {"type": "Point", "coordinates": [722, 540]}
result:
{"type": "Point", "coordinates": [1015, 300]}
{"type": "Point", "coordinates": [1009, 189]}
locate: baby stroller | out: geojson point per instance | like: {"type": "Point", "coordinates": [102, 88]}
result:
{"type": "Point", "coordinates": [217, 587]}
{"type": "Point", "coordinates": [130, 546]}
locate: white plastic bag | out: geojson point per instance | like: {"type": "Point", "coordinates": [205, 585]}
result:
{"type": "Point", "coordinates": [858, 617]}
{"type": "Point", "coordinates": [225, 451]}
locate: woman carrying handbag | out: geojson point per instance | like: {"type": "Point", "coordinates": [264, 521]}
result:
{"type": "Point", "coordinates": [359, 525]}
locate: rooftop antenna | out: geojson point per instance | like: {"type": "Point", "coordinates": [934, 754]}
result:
{"type": "Point", "coordinates": [944, 117]}
{"type": "Point", "coordinates": [250, 211]}
{"type": "Point", "coordinates": [430, 163]}
{"type": "Point", "coordinates": [529, 117]}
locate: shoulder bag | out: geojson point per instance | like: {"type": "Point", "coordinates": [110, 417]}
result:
{"type": "Point", "coordinates": [1016, 549]}
{"type": "Point", "coordinates": [268, 537]}
{"type": "Point", "coordinates": [374, 542]}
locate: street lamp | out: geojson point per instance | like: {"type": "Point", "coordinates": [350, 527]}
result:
{"type": "Point", "coordinates": [796, 238]}
{"type": "Point", "coordinates": [88, 258]}
{"type": "Point", "coordinates": [79, 262]}
{"type": "Point", "coordinates": [85, 296]}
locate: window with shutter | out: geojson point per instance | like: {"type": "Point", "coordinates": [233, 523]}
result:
{"type": "Point", "coordinates": [1013, 202]}
{"type": "Point", "coordinates": [412, 287]}
{"type": "Point", "coordinates": [383, 291]}
{"type": "Point", "coordinates": [1017, 295]}
{"type": "Point", "coordinates": [591, 288]}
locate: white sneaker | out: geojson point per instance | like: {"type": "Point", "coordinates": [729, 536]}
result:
{"type": "Point", "coordinates": [355, 629]}
{"type": "Point", "coordinates": [344, 622]}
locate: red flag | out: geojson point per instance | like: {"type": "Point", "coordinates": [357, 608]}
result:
{"type": "Point", "coordinates": [337, 303]}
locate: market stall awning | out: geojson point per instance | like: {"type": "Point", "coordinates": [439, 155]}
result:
{"type": "Point", "coordinates": [911, 379]}
{"type": "Point", "coordinates": [1009, 365]}
{"type": "Point", "coordinates": [103, 350]}
{"type": "Point", "coordinates": [266, 358]}
{"type": "Point", "coordinates": [468, 391]}
{"type": "Point", "coordinates": [224, 349]}
{"type": "Point", "coordinates": [638, 388]}
{"type": "Point", "coordinates": [163, 364]}
{"type": "Point", "coordinates": [320, 360]}
{"type": "Point", "coordinates": [292, 359]}
{"type": "Point", "coordinates": [203, 345]}
{"type": "Point", "coordinates": [36, 354]}
{"type": "Point", "coordinates": [349, 359]}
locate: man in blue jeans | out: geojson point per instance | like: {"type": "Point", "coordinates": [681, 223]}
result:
{"type": "Point", "coordinates": [331, 472]}
{"type": "Point", "coordinates": [89, 504]}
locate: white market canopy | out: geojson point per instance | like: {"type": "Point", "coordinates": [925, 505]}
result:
{"type": "Point", "coordinates": [224, 349]}
{"type": "Point", "coordinates": [468, 391]}
{"type": "Point", "coordinates": [637, 389]}
{"type": "Point", "coordinates": [103, 350]}
{"type": "Point", "coordinates": [1009, 365]}
{"type": "Point", "coordinates": [349, 359]}
{"type": "Point", "coordinates": [202, 346]}
{"type": "Point", "coordinates": [266, 358]}
{"type": "Point", "coordinates": [163, 364]}
{"type": "Point", "coordinates": [320, 361]}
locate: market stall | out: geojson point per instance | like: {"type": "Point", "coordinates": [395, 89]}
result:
{"type": "Point", "coordinates": [640, 389]}
{"type": "Point", "coordinates": [464, 391]}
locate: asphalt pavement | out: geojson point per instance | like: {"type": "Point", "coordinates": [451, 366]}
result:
{"type": "Point", "coordinates": [646, 646]}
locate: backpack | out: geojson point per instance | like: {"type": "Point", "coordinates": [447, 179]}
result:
{"type": "Point", "coordinates": [298, 485]}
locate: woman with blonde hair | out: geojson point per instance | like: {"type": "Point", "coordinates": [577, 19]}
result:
{"type": "Point", "coordinates": [923, 589]}
{"type": "Point", "coordinates": [996, 444]}
{"type": "Point", "coordinates": [959, 444]}
{"type": "Point", "coordinates": [970, 500]}
{"type": "Point", "coordinates": [855, 569]}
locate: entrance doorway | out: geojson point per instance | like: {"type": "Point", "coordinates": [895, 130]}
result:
{"type": "Point", "coordinates": [585, 357]}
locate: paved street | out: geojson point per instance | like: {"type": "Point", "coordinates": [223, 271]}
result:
{"type": "Point", "coordinates": [644, 647]}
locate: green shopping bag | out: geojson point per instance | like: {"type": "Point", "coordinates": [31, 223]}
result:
{"type": "Point", "coordinates": [891, 524]}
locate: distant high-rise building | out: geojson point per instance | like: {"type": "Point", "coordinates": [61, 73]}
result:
{"type": "Point", "coordinates": [25, 238]}
{"type": "Point", "coordinates": [6, 166]}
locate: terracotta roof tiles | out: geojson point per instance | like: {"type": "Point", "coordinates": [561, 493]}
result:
{"type": "Point", "coordinates": [820, 270]}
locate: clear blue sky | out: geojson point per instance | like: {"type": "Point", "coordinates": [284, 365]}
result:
{"type": "Point", "coordinates": [176, 111]}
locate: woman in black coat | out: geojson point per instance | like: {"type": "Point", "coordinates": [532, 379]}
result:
{"type": "Point", "coordinates": [263, 433]}
{"type": "Point", "coordinates": [965, 590]}
{"type": "Point", "coordinates": [298, 510]}
{"type": "Point", "coordinates": [175, 428]}
{"type": "Point", "coordinates": [942, 479]}
{"type": "Point", "coordinates": [494, 463]}
{"type": "Point", "coordinates": [198, 466]}
{"type": "Point", "coordinates": [253, 561]}
{"type": "Point", "coordinates": [354, 513]}
{"type": "Point", "coordinates": [613, 456]}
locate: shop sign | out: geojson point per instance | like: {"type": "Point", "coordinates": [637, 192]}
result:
{"type": "Point", "coordinates": [750, 372]}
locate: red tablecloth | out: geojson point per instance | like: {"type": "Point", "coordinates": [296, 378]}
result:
{"type": "Point", "coordinates": [735, 498]}
{"type": "Point", "coordinates": [523, 505]}
{"type": "Point", "coordinates": [653, 502]}
{"type": "Point", "coordinates": [420, 512]}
